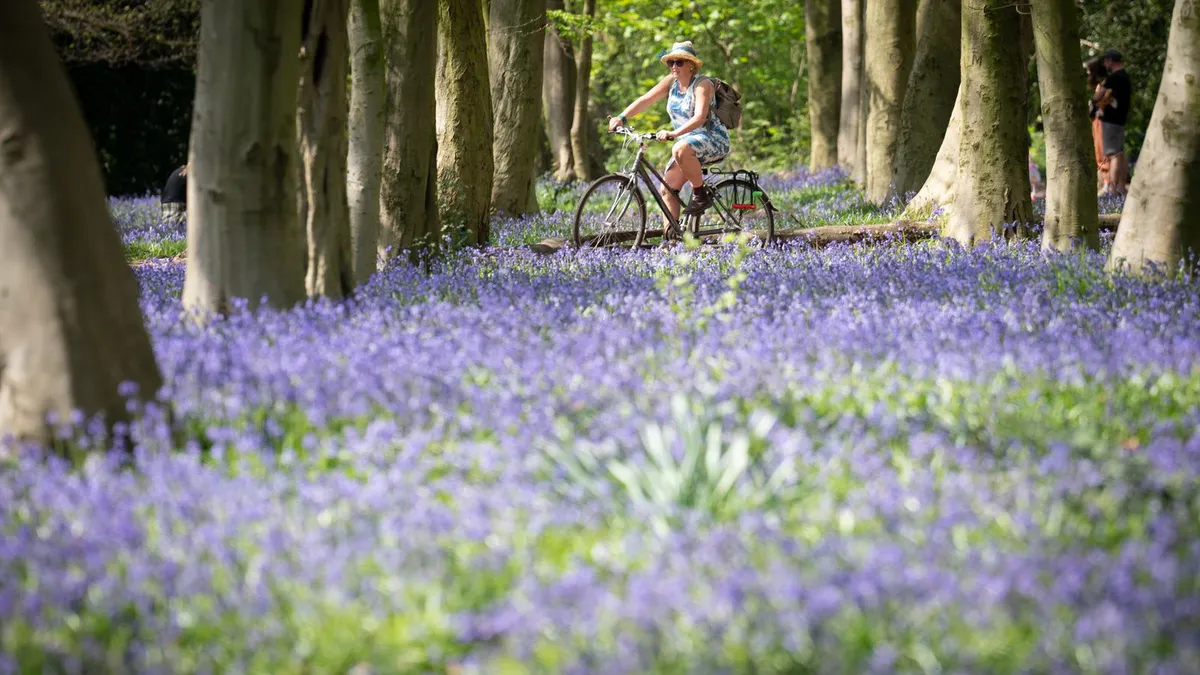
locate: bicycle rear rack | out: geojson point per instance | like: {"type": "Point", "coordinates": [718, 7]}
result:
{"type": "Point", "coordinates": [743, 200]}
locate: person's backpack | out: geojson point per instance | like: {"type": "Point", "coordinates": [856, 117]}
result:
{"type": "Point", "coordinates": [728, 106]}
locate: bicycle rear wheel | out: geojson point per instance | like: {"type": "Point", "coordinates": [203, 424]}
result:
{"type": "Point", "coordinates": [738, 206]}
{"type": "Point", "coordinates": [612, 213]}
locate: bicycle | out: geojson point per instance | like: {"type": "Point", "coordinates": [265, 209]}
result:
{"type": "Point", "coordinates": [739, 205]}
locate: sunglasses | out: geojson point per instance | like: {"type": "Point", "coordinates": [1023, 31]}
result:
{"type": "Point", "coordinates": [676, 62]}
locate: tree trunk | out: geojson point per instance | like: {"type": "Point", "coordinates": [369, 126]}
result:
{"type": "Point", "coordinates": [364, 158]}
{"type": "Point", "coordinates": [1071, 210]}
{"type": "Point", "coordinates": [849, 113]}
{"type": "Point", "coordinates": [581, 124]}
{"type": "Point", "coordinates": [993, 150]}
{"type": "Point", "coordinates": [1158, 226]}
{"type": "Point", "coordinates": [464, 160]}
{"type": "Point", "coordinates": [929, 95]}
{"type": "Point", "coordinates": [407, 194]}
{"type": "Point", "coordinates": [515, 53]}
{"type": "Point", "coordinates": [243, 237]}
{"type": "Point", "coordinates": [321, 118]}
{"type": "Point", "coordinates": [864, 105]}
{"type": "Point", "coordinates": [558, 97]}
{"type": "Point", "coordinates": [890, 39]}
{"type": "Point", "coordinates": [938, 189]}
{"type": "Point", "coordinates": [822, 19]}
{"type": "Point", "coordinates": [71, 331]}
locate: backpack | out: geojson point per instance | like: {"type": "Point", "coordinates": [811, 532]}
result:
{"type": "Point", "coordinates": [728, 107]}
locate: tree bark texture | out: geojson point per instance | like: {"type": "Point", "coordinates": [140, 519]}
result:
{"type": "Point", "coordinates": [321, 118]}
{"type": "Point", "coordinates": [1158, 226]}
{"type": "Point", "coordinates": [938, 189]}
{"type": "Point", "coordinates": [364, 157]}
{"type": "Point", "coordinates": [558, 97]}
{"type": "Point", "coordinates": [582, 123]}
{"type": "Point", "coordinates": [993, 170]}
{"type": "Point", "coordinates": [850, 111]}
{"type": "Point", "coordinates": [888, 55]}
{"type": "Point", "coordinates": [516, 32]}
{"type": "Point", "coordinates": [71, 330]}
{"type": "Point", "coordinates": [864, 106]}
{"type": "Point", "coordinates": [1071, 210]}
{"type": "Point", "coordinates": [823, 26]}
{"type": "Point", "coordinates": [464, 161]}
{"type": "Point", "coordinates": [408, 188]}
{"type": "Point", "coordinates": [243, 237]}
{"type": "Point", "coordinates": [929, 95]}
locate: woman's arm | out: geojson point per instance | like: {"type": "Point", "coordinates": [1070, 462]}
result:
{"type": "Point", "coordinates": [704, 93]}
{"type": "Point", "coordinates": [653, 95]}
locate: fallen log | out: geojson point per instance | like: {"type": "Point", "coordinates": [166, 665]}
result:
{"type": "Point", "coordinates": [825, 235]}
{"type": "Point", "coordinates": [821, 235]}
{"type": "Point", "coordinates": [550, 245]}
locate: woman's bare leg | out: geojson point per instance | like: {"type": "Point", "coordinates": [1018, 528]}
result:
{"type": "Point", "coordinates": [685, 167]}
{"type": "Point", "coordinates": [674, 178]}
{"type": "Point", "coordinates": [686, 159]}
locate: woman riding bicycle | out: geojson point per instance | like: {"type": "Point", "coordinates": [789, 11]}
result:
{"type": "Point", "coordinates": [702, 138]}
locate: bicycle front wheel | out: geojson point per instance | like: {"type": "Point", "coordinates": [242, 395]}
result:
{"type": "Point", "coordinates": [738, 206]}
{"type": "Point", "coordinates": [612, 212]}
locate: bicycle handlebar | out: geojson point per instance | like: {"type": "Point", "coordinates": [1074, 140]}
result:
{"type": "Point", "coordinates": [629, 131]}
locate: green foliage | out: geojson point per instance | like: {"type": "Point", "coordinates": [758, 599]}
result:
{"type": "Point", "coordinates": [1139, 30]}
{"type": "Point", "coordinates": [1037, 148]}
{"type": "Point", "coordinates": [720, 473]}
{"type": "Point", "coordinates": [146, 33]}
{"type": "Point", "coordinates": [572, 26]}
{"type": "Point", "coordinates": [556, 195]}
{"type": "Point", "coordinates": [144, 250]}
{"type": "Point", "coordinates": [757, 45]}
{"type": "Point", "coordinates": [131, 64]}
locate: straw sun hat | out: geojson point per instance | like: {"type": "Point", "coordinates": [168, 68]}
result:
{"type": "Point", "coordinates": [682, 50]}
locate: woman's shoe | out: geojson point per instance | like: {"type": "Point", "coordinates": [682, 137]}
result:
{"type": "Point", "coordinates": [702, 198]}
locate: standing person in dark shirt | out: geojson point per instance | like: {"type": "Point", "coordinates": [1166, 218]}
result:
{"type": "Point", "coordinates": [174, 196]}
{"type": "Point", "coordinates": [1114, 98]}
{"type": "Point", "coordinates": [1096, 74]}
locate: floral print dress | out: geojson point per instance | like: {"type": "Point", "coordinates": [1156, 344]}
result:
{"type": "Point", "coordinates": [711, 141]}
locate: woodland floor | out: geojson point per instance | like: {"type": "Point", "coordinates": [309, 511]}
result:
{"type": "Point", "coordinates": [895, 458]}
{"type": "Point", "coordinates": [821, 209]}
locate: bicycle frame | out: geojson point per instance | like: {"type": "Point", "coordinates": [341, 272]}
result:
{"type": "Point", "coordinates": [643, 169]}
{"type": "Point", "coordinates": [640, 169]}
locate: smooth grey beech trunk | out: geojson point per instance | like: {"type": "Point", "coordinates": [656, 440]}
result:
{"type": "Point", "coordinates": [408, 188]}
{"type": "Point", "coordinates": [937, 192]}
{"type": "Point", "coordinates": [1072, 214]}
{"type": "Point", "coordinates": [929, 95]}
{"type": "Point", "coordinates": [1159, 226]}
{"type": "Point", "coordinates": [71, 330]}
{"type": "Point", "coordinates": [243, 238]}
{"type": "Point", "coordinates": [558, 97]}
{"type": "Point", "coordinates": [822, 19]}
{"type": "Point", "coordinates": [516, 35]}
{"type": "Point", "coordinates": [993, 175]}
{"type": "Point", "coordinates": [321, 118]}
{"type": "Point", "coordinates": [851, 116]}
{"type": "Point", "coordinates": [890, 37]}
{"type": "Point", "coordinates": [464, 161]}
{"type": "Point", "coordinates": [364, 156]}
